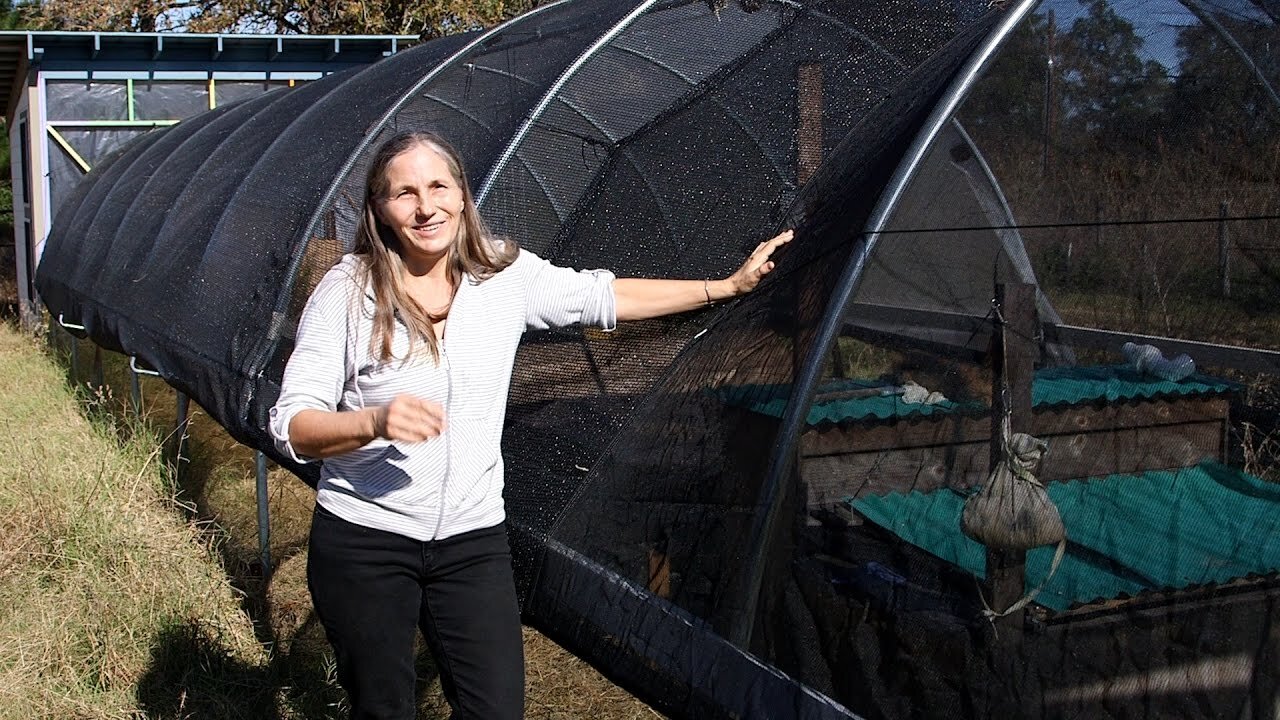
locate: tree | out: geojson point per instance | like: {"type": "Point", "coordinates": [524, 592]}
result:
{"type": "Point", "coordinates": [11, 19]}
{"type": "Point", "coordinates": [1221, 97]}
{"type": "Point", "coordinates": [1010, 98]}
{"type": "Point", "coordinates": [343, 17]}
{"type": "Point", "coordinates": [1111, 97]}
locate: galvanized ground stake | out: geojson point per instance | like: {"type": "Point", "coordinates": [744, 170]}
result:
{"type": "Point", "coordinates": [264, 519]}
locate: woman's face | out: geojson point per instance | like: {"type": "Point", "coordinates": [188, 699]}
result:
{"type": "Point", "coordinates": [422, 205]}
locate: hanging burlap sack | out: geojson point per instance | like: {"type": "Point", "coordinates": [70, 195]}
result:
{"type": "Point", "coordinates": [1013, 511]}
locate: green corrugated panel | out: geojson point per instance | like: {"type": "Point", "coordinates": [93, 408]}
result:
{"type": "Point", "coordinates": [1074, 385]}
{"type": "Point", "coordinates": [1127, 533]}
{"type": "Point", "coordinates": [772, 400]}
{"type": "Point", "coordinates": [1053, 386]}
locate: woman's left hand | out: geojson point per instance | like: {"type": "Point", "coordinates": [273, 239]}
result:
{"type": "Point", "coordinates": [643, 298]}
{"type": "Point", "coordinates": [758, 264]}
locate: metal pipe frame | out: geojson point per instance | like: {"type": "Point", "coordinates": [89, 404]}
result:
{"type": "Point", "coordinates": [550, 95]}
{"type": "Point", "coordinates": [264, 514]}
{"type": "Point", "coordinates": [780, 463]}
{"type": "Point", "coordinates": [258, 359]}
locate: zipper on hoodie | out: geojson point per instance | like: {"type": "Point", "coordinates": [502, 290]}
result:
{"type": "Point", "coordinates": [448, 453]}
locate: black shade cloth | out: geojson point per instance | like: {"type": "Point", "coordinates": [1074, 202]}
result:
{"type": "Point", "coordinates": [665, 139]}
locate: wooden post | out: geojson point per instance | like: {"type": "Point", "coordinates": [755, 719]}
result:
{"type": "Point", "coordinates": [1264, 690]}
{"type": "Point", "coordinates": [808, 158]}
{"type": "Point", "coordinates": [1016, 350]}
{"type": "Point", "coordinates": [659, 573]}
{"type": "Point", "coordinates": [1013, 365]}
{"type": "Point", "coordinates": [1050, 104]}
{"type": "Point", "coordinates": [809, 302]}
{"type": "Point", "coordinates": [808, 121]}
{"type": "Point", "coordinates": [1224, 250]}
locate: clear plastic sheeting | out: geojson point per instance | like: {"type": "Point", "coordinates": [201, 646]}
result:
{"type": "Point", "coordinates": [86, 99]}
{"type": "Point", "coordinates": [753, 510]}
{"type": "Point", "coordinates": [90, 146]}
{"type": "Point", "coordinates": [169, 100]}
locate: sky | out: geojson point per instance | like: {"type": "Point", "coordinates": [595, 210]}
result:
{"type": "Point", "coordinates": [1155, 21]}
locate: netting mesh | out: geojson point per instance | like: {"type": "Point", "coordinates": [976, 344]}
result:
{"type": "Point", "coordinates": [753, 510]}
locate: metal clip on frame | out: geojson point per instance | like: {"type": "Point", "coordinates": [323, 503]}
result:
{"type": "Point", "coordinates": [135, 387]}
{"type": "Point", "coordinates": [133, 365]}
{"type": "Point", "coordinates": [75, 347]}
{"type": "Point", "coordinates": [69, 326]}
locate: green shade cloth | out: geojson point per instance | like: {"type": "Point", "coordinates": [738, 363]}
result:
{"type": "Point", "coordinates": [1052, 386]}
{"type": "Point", "coordinates": [1164, 529]}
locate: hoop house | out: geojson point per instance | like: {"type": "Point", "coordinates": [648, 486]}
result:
{"type": "Point", "coordinates": [753, 510]}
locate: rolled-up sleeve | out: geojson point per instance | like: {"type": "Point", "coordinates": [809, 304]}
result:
{"type": "Point", "coordinates": [560, 296]}
{"type": "Point", "coordinates": [317, 370]}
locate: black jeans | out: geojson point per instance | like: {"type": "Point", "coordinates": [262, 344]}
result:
{"type": "Point", "coordinates": [371, 587]}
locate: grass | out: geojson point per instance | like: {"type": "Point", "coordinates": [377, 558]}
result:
{"type": "Point", "coordinates": [110, 603]}
{"type": "Point", "coordinates": [292, 674]}
{"type": "Point", "coordinates": [1197, 317]}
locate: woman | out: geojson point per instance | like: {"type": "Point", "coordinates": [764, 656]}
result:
{"type": "Point", "coordinates": [399, 379]}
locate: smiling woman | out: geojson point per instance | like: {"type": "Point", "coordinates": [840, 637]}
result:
{"type": "Point", "coordinates": [399, 378]}
{"type": "Point", "coordinates": [422, 207]}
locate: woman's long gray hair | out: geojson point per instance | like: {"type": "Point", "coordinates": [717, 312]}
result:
{"type": "Point", "coordinates": [474, 251]}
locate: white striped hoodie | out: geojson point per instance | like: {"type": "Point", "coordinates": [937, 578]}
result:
{"type": "Point", "coordinates": [452, 483]}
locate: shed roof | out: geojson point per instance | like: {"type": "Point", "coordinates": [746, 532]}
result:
{"type": "Point", "coordinates": [21, 50]}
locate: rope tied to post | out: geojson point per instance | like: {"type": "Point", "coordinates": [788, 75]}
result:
{"type": "Point", "coordinates": [1013, 511]}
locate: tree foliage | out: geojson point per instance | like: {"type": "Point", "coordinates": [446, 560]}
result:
{"type": "Point", "coordinates": [11, 19]}
{"type": "Point", "coordinates": [1011, 97]}
{"type": "Point", "coordinates": [1210, 81]}
{"type": "Point", "coordinates": [1109, 92]}
{"type": "Point", "coordinates": [1221, 99]}
{"type": "Point", "coordinates": [429, 18]}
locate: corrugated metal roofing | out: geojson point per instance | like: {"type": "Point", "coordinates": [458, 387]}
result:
{"type": "Point", "coordinates": [1127, 534]}
{"type": "Point", "coordinates": [772, 400]}
{"type": "Point", "coordinates": [1075, 385]}
{"type": "Point", "coordinates": [1052, 386]}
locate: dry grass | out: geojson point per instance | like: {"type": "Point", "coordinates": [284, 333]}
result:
{"type": "Point", "coordinates": [1261, 450]}
{"type": "Point", "coordinates": [8, 289]}
{"type": "Point", "coordinates": [109, 604]}
{"type": "Point", "coordinates": [1205, 319]}
{"type": "Point", "coordinates": [218, 483]}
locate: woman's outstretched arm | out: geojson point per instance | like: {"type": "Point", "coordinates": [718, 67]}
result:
{"type": "Point", "coordinates": [642, 298]}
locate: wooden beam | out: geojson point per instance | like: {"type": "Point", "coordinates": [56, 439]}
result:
{"type": "Point", "coordinates": [1014, 360]}
{"type": "Point", "coordinates": [1204, 353]}
{"type": "Point", "coordinates": [808, 121]}
{"type": "Point", "coordinates": [1016, 351]}
{"type": "Point", "coordinates": [943, 430]}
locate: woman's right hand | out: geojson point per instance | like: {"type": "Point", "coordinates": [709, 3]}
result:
{"type": "Point", "coordinates": [409, 419]}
